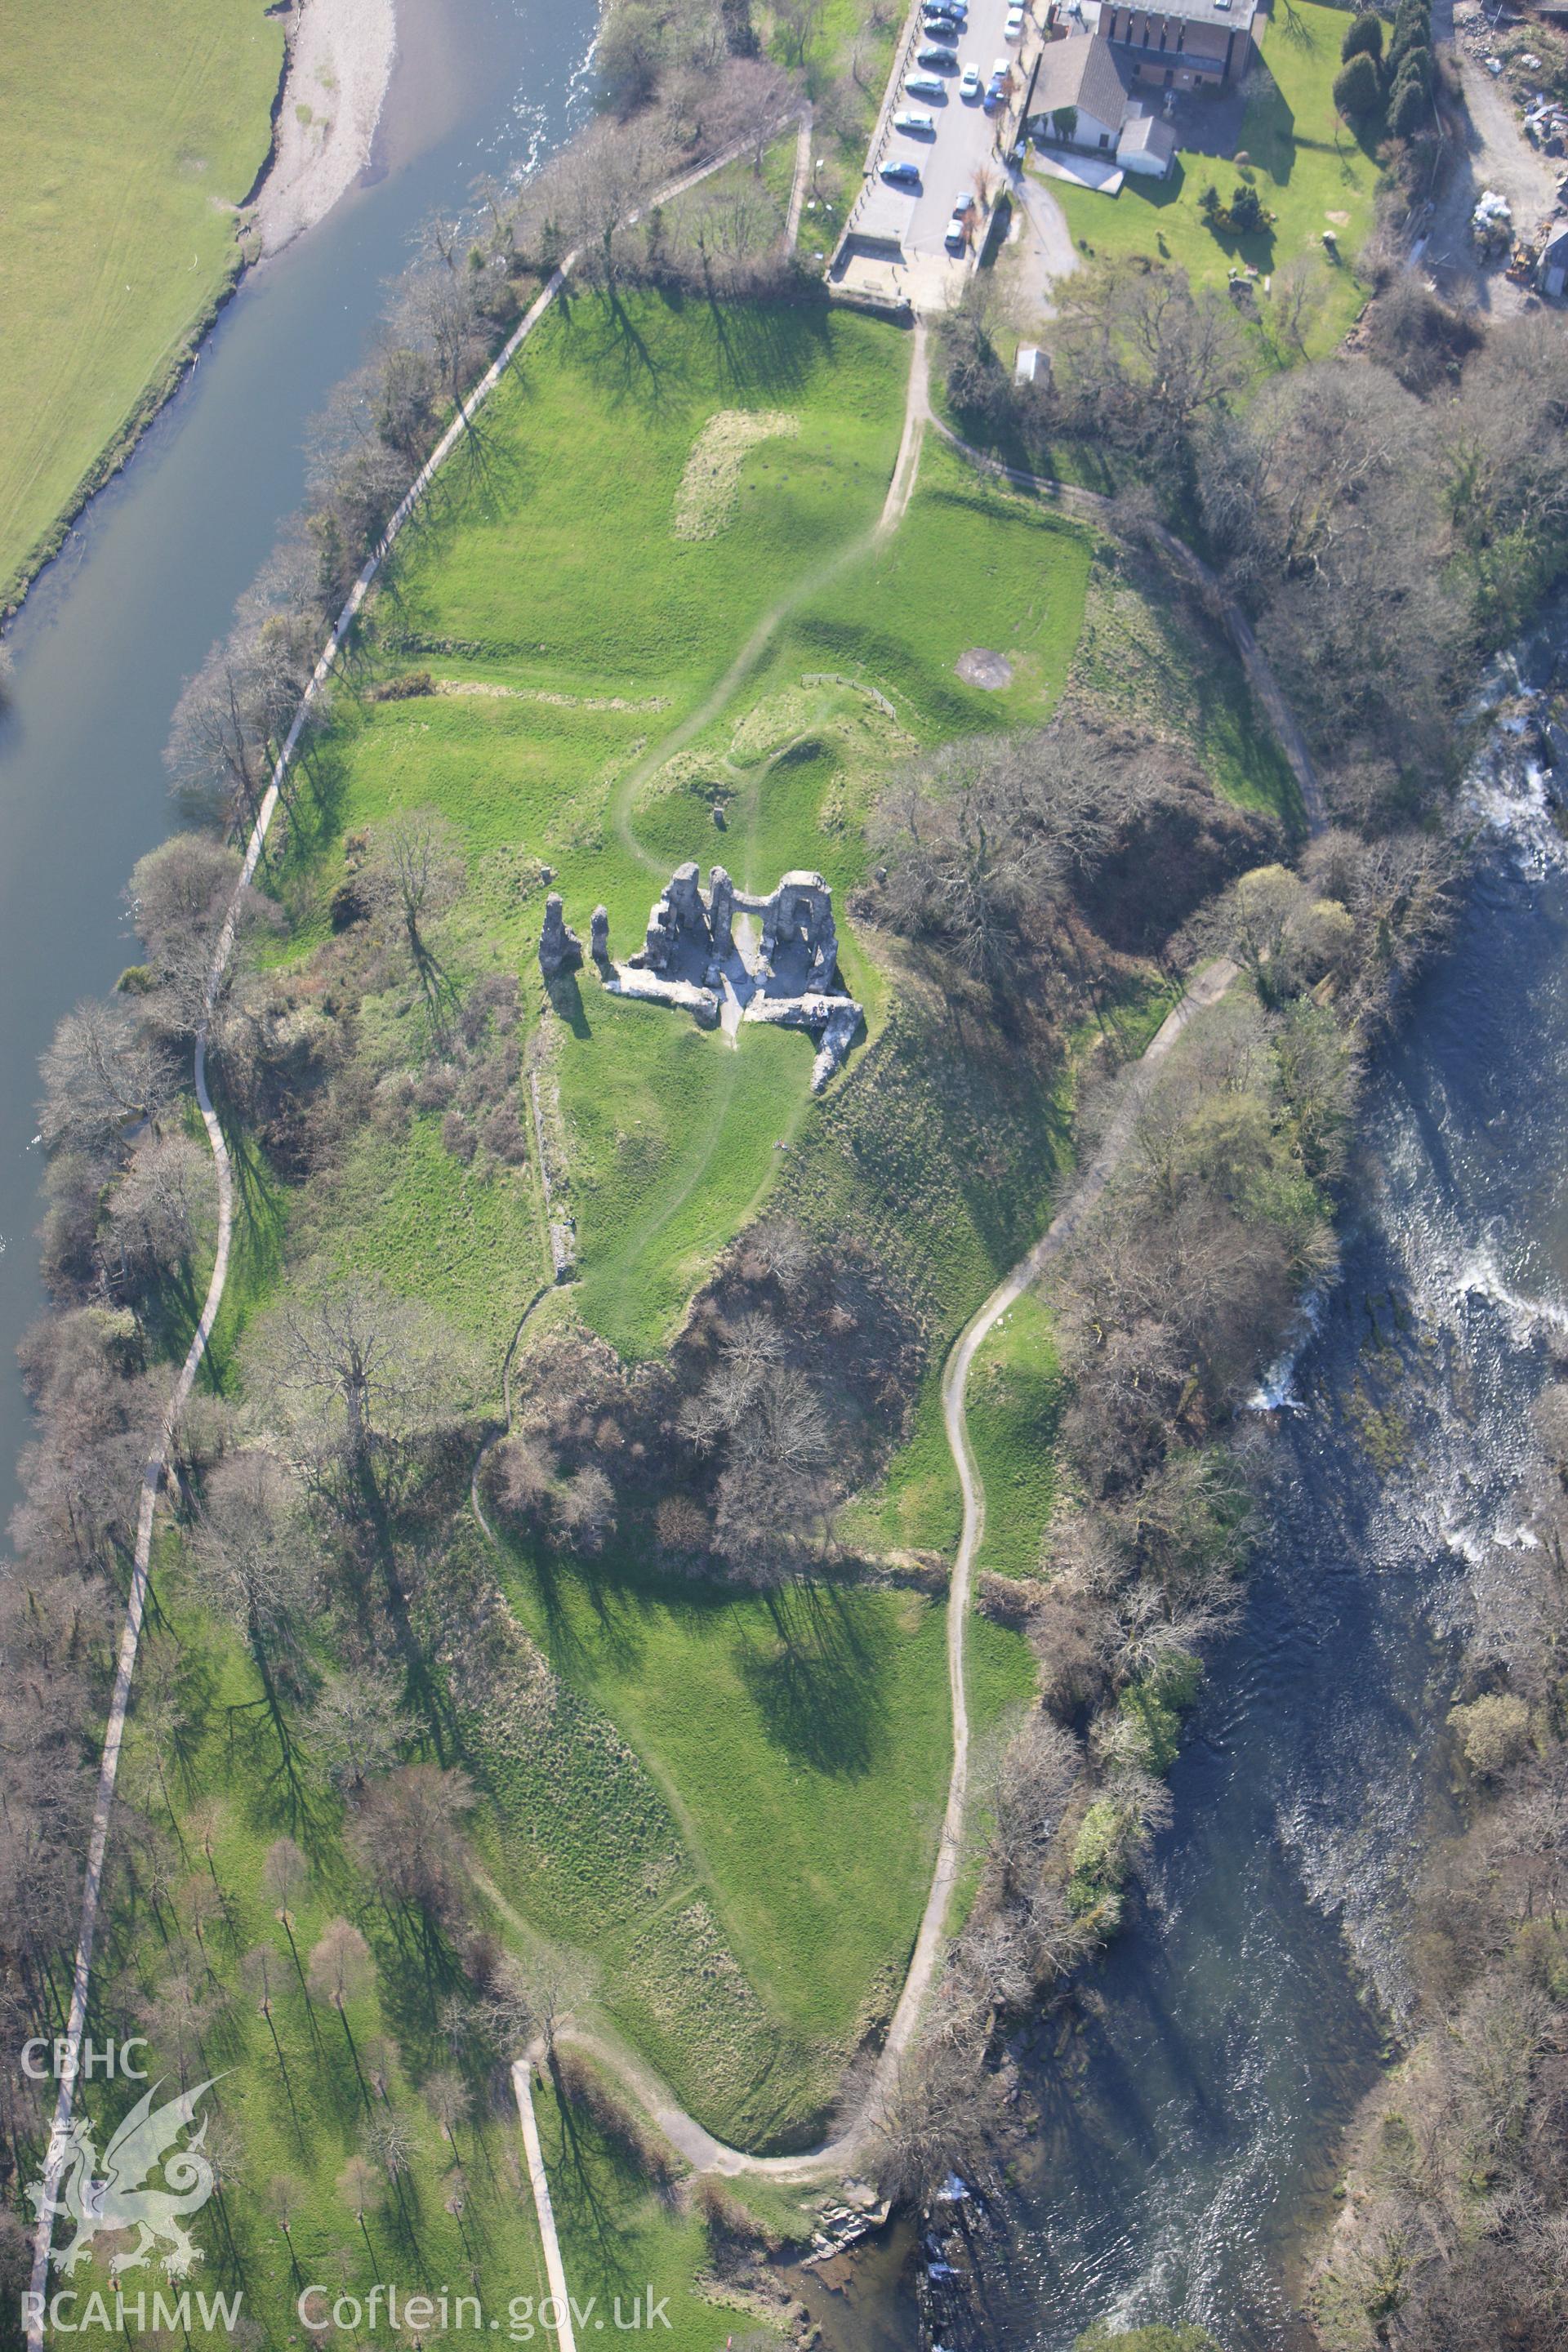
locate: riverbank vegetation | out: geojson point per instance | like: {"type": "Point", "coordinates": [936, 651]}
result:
{"type": "Point", "coordinates": [119, 185]}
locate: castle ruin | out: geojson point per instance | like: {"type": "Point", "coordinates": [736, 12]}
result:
{"type": "Point", "coordinates": [702, 955]}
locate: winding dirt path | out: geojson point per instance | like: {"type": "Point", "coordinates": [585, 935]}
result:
{"type": "Point", "coordinates": [689, 2138]}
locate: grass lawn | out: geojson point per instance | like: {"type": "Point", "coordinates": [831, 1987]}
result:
{"type": "Point", "coordinates": [297, 2090]}
{"type": "Point", "coordinates": [727, 1805]}
{"type": "Point", "coordinates": [1014, 1398]}
{"type": "Point", "coordinates": [123, 157]}
{"type": "Point", "coordinates": [625, 2249]}
{"type": "Point", "coordinates": [803, 1741]}
{"type": "Point", "coordinates": [1307, 165]}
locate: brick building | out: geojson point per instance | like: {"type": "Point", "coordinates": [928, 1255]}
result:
{"type": "Point", "coordinates": [1182, 44]}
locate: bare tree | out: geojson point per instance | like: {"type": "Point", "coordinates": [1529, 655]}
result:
{"type": "Point", "coordinates": [358, 1370]}
{"type": "Point", "coordinates": [359, 1725]}
{"type": "Point", "coordinates": [418, 869]}
{"type": "Point", "coordinates": [251, 1564]}
{"type": "Point", "coordinates": [102, 1076]}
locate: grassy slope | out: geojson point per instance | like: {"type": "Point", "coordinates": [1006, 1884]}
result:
{"type": "Point", "coordinates": [1308, 168]}
{"type": "Point", "coordinates": [122, 157]}
{"type": "Point", "coordinates": [733, 1811]}
{"type": "Point", "coordinates": [1014, 1397]}
{"type": "Point", "coordinates": [822, 1742]}
{"type": "Point", "coordinates": [295, 2103]}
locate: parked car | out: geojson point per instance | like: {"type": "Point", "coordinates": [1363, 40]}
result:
{"type": "Point", "coordinates": [941, 22]}
{"type": "Point", "coordinates": [1014, 27]}
{"type": "Point", "coordinates": [916, 121]}
{"type": "Point", "coordinates": [970, 86]}
{"type": "Point", "coordinates": [924, 86]}
{"type": "Point", "coordinates": [997, 88]}
{"type": "Point", "coordinates": [900, 173]}
{"type": "Point", "coordinates": [944, 59]}
{"type": "Point", "coordinates": [958, 226]}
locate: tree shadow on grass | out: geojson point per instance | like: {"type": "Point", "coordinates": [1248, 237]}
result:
{"type": "Point", "coordinates": [594, 2182]}
{"type": "Point", "coordinates": [821, 1688]}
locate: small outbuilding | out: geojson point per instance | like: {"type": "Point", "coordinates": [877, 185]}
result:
{"type": "Point", "coordinates": [1146, 145]}
{"type": "Point", "coordinates": [1551, 269]}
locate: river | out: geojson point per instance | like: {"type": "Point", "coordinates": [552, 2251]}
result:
{"type": "Point", "coordinates": [149, 578]}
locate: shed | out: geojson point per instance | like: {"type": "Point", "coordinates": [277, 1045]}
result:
{"type": "Point", "coordinates": [1551, 269]}
{"type": "Point", "coordinates": [1146, 145]}
{"type": "Point", "coordinates": [1026, 367]}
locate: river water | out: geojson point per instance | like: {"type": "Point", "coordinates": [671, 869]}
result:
{"type": "Point", "coordinates": [149, 578]}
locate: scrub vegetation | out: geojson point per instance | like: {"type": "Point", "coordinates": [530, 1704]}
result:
{"type": "Point", "coordinates": [120, 178]}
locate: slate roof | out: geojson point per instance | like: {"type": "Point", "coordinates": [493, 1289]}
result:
{"type": "Point", "coordinates": [1080, 71]}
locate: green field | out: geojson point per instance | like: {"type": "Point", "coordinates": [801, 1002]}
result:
{"type": "Point", "coordinates": [1014, 1398]}
{"type": "Point", "coordinates": [123, 159]}
{"type": "Point", "coordinates": [1308, 165]}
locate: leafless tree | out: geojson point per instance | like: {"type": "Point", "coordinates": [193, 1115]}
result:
{"type": "Point", "coordinates": [357, 1370]}
{"type": "Point", "coordinates": [359, 1725]}
{"type": "Point", "coordinates": [102, 1076]}
{"type": "Point", "coordinates": [406, 1834]}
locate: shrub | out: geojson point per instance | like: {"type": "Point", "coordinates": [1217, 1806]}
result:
{"type": "Point", "coordinates": [1099, 1863]}
{"type": "Point", "coordinates": [1246, 212]}
{"type": "Point", "coordinates": [1363, 38]}
{"type": "Point", "coordinates": [1408, 109]}
{"type": "Point", "coordinates": [1494, 1732]}
{"type": "Point", "coordinates": [1154, 1707]}
{"type": "Point", "coordinates": [1357, 88]}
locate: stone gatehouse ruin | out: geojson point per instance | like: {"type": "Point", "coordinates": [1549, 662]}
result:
{"type": "Point", "coordinates": [725, 956]}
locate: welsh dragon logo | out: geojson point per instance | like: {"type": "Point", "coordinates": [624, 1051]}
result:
{"type": "Point", "coordinates": [117, 2199]}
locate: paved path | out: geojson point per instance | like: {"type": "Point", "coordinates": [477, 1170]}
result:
{"type": "Point", "coordinates": [539, 2181]}
{"type": "Point", "coordinates": [158, 1460]}
{"type": "Point", "coordinates": [802, 178]}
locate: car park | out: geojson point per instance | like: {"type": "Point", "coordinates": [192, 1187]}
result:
{"type": "Point", "coordinates": [915, 122]}
{"type": "Point", "coordinates": [901, 173]}
{"type": "Point", "coordinates": [924, 86]}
